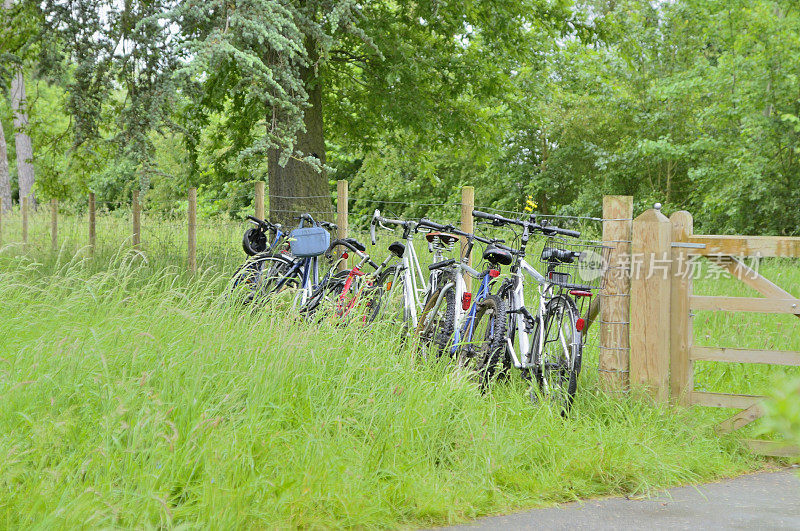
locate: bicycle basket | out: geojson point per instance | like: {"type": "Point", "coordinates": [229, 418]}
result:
{"type": "Point", "coordinates": [309, 241]}
{"type": "Point", "coordinates": [574, 264]}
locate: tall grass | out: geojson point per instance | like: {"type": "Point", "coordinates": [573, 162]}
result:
{"type": "Point", "coordinates": [135, 396]}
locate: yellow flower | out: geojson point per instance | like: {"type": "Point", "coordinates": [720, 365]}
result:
{"type": "Point", "coordinates": [530, 204]}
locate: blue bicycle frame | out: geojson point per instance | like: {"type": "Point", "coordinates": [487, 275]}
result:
{"type": "Point", "coordinates": [469, 324]}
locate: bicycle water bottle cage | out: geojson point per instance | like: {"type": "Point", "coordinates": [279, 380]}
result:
{"type": "Point", "coordinates": [496, 255]}
{"type": "Point", "coordinates": [254, 241]}
{"type": "Point", "coordinates": [309, 241]}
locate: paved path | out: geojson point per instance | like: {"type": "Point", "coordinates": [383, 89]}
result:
{"type": "Point", "coordinates": [767, 500]}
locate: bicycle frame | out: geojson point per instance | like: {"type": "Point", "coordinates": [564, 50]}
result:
{"type": "Point", "coordinates": [525, 359]}
{"type": "Point", "coordinates": [467, 329]}
{"type": "Point", "coordinates": [310, 278]}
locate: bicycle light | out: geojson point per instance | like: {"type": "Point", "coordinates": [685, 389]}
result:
{"type": "Point", "coordinates": [580, 324]}
{"type": "Point", "coordinates": [466, 300]}
{"type": "Point", "coordinates": [494, 273]}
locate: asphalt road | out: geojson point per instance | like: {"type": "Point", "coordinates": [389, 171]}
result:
{"type": "Point", "coordinates": [767, 500]}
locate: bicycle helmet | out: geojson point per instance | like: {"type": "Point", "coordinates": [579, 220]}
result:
{"type": "Point", "coordinates": [254, 241]}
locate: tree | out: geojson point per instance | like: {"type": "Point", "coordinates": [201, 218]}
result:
{"type": "Point", "coordinates": [373, 66]}
{"type": "Point", "coordinates": [22, 139]}
{"type": "Point", "coordinates": [5, 178]}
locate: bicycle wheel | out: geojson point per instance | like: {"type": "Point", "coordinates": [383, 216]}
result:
{"type": "Point", "coordinates": [385, 297]}
{"type": "Point", "coordinates": [389, 302]}
{"type": "Point", "coordinates": [559, 358]}
{"type": "Point", "coordinates": [327, 298]}
{"type": "Point", "coordinates": [482, 354]}
{"type": "Point", "coordinates": [258, 276]}
{"type": "Point", "coordinates": [436, 324]}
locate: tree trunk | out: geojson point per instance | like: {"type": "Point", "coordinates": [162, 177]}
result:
{"type": "Point", "coordinates": [5, 177]}
{"type": "Point", "coordinates": [298, 187]}
{"type": "Point", "coordinates": [19, 104]}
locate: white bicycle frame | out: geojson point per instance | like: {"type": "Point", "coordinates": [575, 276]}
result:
{"type": "Point", "coordinates": [416, 286]}
{"type": "Point", "coordinates": [526, 359]}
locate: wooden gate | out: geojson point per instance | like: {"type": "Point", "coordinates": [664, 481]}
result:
{"type": "Point", "coordinates": [728, 252]}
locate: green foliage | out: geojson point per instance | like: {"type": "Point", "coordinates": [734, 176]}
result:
{"type": "Point", "coordinates": [692, 103]}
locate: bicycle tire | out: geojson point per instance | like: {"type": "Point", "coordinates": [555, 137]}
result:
{"type": "Point", "coordinates": [378, 295]}
{"type": "Point", "coordinates": [559, 359]}
{"type": "Point", "coordinates": [257, 278]}
{"type": "Point", "coordinates": [483, 355]}
{"type": "Point", "coordinates": [441, 332]}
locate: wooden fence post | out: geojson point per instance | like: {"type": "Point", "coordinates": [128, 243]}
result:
{"type": "Point", "coordinates": [192, 230]}
{"type": "Point", "coordinates": [681, 380]}
{"type": "Point", "coordinates": [92, 220]}
{"type": "Point", "coordinates": [54, 223]}
{"type": "Point", "coordinates": [260, 199]}
{"type": "Point", "coordinates": [651, 276]}
{"type": "Point", "coordinates": [137, 227]}
{"type": "Point", "coordinates": [25, 202]}
{"type": "Point", "coordinates": [614, 362]}
{"type": "Point", "coordinates": [342, 212]}
{"type": "Point", "coordinates": [467, 205]}
{"type": "Point", "coordinates": [1, 221]}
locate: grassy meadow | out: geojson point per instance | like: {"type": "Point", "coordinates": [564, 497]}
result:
{"type": "Point", "coordinates": [135, 395]}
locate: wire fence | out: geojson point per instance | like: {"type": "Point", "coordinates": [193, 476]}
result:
{"type": "Point", "coordinates": [159, 232]}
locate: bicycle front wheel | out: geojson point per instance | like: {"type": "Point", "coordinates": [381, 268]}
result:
{"type": "Point", "coordinates": [258, 276]}
{"type": "Point", "coordinates": [559, 357]}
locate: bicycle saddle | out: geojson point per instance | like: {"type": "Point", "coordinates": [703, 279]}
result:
{"type": "Point", "coordinates": [496, 255]}
{"type": "Point", "coordinates": [444, 237]}
{"type": "Point", "coordinates": [355, 243]}
{"type": "Point", "coordinates": [397, 249]}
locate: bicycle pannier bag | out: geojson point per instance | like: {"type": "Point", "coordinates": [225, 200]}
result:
{"type": "Point", "coordinates": [309, 241]}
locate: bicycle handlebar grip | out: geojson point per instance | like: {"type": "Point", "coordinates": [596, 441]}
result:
{"type": "Point", "coordinates": [483, 215]}
{"type": "Point", "coordinates": [443, 263]}
{"type": "Point", "coordinates": [567, 232]}
{"type": "Point", "coordinates": [372, 233]}
{"type": "Point", "coordinates": [432, 224]}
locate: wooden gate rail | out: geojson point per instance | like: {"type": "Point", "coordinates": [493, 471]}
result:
{"type": "Point", "coordinates": [726, 252]}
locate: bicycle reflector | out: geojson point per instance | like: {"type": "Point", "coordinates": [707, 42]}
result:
{"type": "Point", "coordinates": [344, 255]}
{"type": "Point", "coordinates": [466, 300]}
{"type": "Point", "coordinates": [580, 324]}
{"type": "Point", "coordinates": [494, 273]}
{"type": "Point", "coordinates": [388, 285]}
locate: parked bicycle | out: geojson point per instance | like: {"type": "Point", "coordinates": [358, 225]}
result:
{"type": "Point", "coordinates": [470, 329]}
{"type": "Point", "coordinates": [343, 292]}
{"type": "Point", "coordinates": [406, 287]}
{"type": "Point", "coordinates": [294, 267]}
{"type": "Point", "coordinates": [547, 344]}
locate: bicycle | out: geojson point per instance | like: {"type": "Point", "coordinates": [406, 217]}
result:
{"type": "Point", "coordinates": [255, 243]}
{"type": "Point", "coordinates": [345, 290]}
{"type": "Point", "coordinates": [406, 287]}
{"type": "Point", "coordinates": [549, 343]}
{"type": "Point", "coordinates": [296, 266]}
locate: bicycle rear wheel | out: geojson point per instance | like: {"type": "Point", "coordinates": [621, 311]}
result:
{"type": "Point", "coordinates": [559, 358]}
{"type": "Point", "coordinates": [483, 353]}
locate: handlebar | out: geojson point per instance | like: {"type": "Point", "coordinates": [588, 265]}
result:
{"type": "Point", "coordinates": [264, 224]}
{"type": "Point", "coordinates": [377, 219]}
{"type": "Point", "coordinates": [544, 228]}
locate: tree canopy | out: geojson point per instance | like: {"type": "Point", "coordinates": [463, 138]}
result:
{"type": "Point", "coordinates": [692, 103]}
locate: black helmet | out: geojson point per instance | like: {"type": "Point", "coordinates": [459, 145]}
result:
{"type": "Point", "coordinates": [254, 241]}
